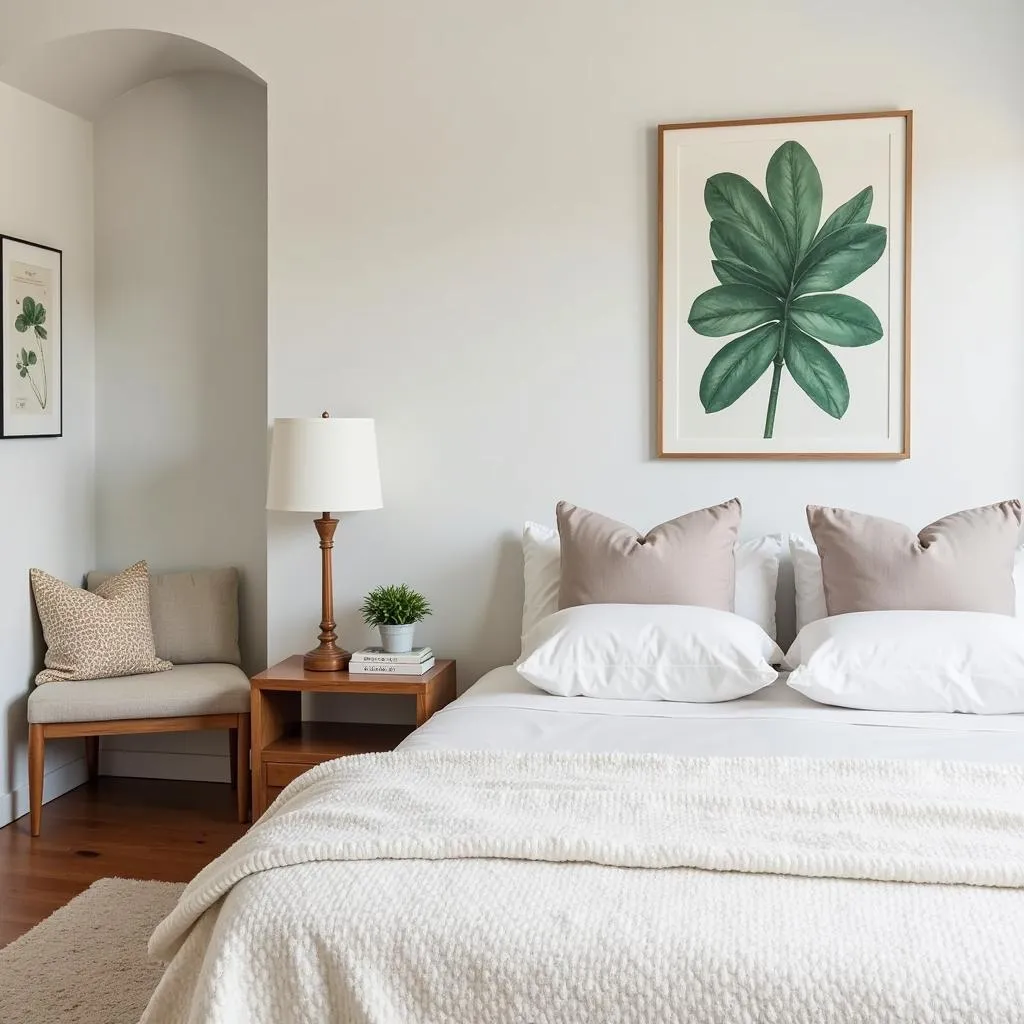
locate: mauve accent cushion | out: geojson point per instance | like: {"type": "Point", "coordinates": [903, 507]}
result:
{"type": "Point", "coordinates": [961, 563]}
{"type": "Point", "coordinates": [689, 560]}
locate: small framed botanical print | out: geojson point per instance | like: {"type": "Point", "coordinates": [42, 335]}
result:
{"type": "Point", "coordinates": [784, 266]}
{"type": "Point", "coordinates": [31, 340]}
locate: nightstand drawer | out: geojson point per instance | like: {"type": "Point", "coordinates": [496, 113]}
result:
{"type": "Point", "coordinates": [279, 775]}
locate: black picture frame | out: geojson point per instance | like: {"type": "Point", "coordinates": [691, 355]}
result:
{"type": "Point", "coordinates": [45, 384]}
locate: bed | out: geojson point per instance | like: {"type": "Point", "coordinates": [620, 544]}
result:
{"type": "Point", "coordinates": [504, 712]}
{"type": "Point", "coordinates": [480, 873]}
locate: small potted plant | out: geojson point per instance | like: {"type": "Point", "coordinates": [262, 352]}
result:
{"type": "Point", "coordinates": [395, 610]}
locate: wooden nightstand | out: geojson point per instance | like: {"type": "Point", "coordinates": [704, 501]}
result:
{"type": "Point", "coordinates": [284, 746]}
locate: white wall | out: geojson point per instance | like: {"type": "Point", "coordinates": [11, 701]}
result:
{"type": "Point", "coordinates": [475, 244]}
{"type": "Point", "coordinates": [462, 226]}
{"type": "Point", "coordinates": [46, 485]}
{"type": "Point", "coordinates": [181, 297]}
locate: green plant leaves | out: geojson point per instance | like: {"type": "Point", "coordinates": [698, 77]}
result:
{"type": "Point", "coordinates": [740, 273]}
{"type": "Point", "coordinates": [24, 362]}
{"type": "Point", "coordinates": [33, 314]}
{"type": "Point", "coordinates": [839, 258]}
{"type": "Point", "coordinates": [836, 319]}
{"type": "Point", "coordinates": [734, 200]}
{"type": "Point", "coordinates": [794, 188]}
{"type": "Point", "coordinates": [817, 372]}
{"type": "Point", "coordinates": [732, 307]}
{"type": "Point", "coordinates": [733, 244]}
{"type": "Point", "coordinates": [395, 605]}
{"type": "Point", "coordinates": [779, 272]}
{"type": "Point", "coordinates": [853, 211]}
{"type": "Point", "coordinates": [738, 365]}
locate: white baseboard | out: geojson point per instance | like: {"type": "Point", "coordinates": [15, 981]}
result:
{"type": "Point", "coordinates": [56, 783]}
{"type": "Point", "coordinates": [145, 764]}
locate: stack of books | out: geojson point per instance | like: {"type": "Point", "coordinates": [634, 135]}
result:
{"type": "Point", "coordinates": [373, 660]}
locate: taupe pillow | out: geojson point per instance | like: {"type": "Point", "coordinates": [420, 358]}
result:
{"type": "Point", "coordinates": [96, 636]}
{"type": "Point", "coordinates": [195, 614]}
{"type": "Point", "coordinates": [689, 560]}
{"type": "Point", "coordinates": [961, 563]}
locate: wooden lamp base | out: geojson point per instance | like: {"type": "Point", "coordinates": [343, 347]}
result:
{"type": "Point", "coordinates": [328, 656]}
{"type": "Point", "coordinates": [326, 659]}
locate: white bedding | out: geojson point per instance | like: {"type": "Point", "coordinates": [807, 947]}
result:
{"type": "Point", "coordinates": [504, 712]}
{"type": "Point", "coordinates": [457, 887]}
{"type": "Point", "coordinates": [412, 906]}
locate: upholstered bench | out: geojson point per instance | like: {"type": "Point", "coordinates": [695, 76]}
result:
{"type": "Point", "coordinates": [195, 626]}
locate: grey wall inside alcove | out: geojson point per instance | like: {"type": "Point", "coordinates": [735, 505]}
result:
{"type": "Point", "coordinates": [181, 299]}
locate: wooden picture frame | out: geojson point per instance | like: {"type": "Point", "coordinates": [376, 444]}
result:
{"type": "Point", "coordinates": [783, 303]}
{"type": "Point", "coordinates": [31, 339]}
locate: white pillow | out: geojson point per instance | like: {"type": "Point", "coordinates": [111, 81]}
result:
{"type": "Point", "coordinates": [810, 591]}
{"type": "Point", "coordinates": [912, 661]}
{"type": "Point", "coordinates": [807, 582]}
{"type": "Point", "coordinates": [542, 573]}
{"type": "Point", "coordinates": [648, 652]}
{"type": "Point", "coordinates": [757, 578]}
{"type": "Point", "coordinates": [757, 575]}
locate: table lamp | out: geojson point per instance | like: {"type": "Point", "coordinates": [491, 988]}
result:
{"type": "Point", "coordinates": [318, 464]}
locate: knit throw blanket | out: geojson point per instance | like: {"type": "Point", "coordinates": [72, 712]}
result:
{"type": "Point", "coordinates": [449, 886]}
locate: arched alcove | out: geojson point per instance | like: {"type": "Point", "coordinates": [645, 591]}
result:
{"type": "Point", "coordinates": [179, 310]}
{"type": "Point", "coordinates": [85, 73]}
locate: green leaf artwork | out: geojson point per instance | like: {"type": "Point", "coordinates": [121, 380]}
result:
{"type": "Point", "coordinates": [31, 318]}
{"type": "Point", "coordinates": [780, 269]}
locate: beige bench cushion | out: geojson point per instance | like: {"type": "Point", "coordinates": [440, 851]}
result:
{"type": "Point", "coordinates": [185, 690]}
{"type": "Point", "coordinates": [195, 614]}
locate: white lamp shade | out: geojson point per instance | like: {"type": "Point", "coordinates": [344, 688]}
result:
{"type": "Point", "coordinates": [323, 465]}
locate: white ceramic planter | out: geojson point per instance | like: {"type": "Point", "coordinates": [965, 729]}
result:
{"type": "Point", "coordinates": [397, 639]}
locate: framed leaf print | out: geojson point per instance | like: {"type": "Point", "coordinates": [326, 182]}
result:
{"type": "Point", "coordinates": [784, 273]}
{"type": "Point", "coordinates": [31, 340]}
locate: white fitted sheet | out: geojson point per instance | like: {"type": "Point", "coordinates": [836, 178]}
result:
{"type": "Point", "coordinates": [504, 712]}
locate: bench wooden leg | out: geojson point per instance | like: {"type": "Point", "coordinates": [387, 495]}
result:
{"type": "Point", "coordinates": [36, 758]}
{"type": "Point", "coordinates": [233, 754]}
{"type": "Point", "coordinates": [240, 768]}
{"type": "Point", "coordinates": [92, 756]}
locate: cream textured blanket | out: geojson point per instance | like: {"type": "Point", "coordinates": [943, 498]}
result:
{"type": "Point", "coordinates": [453, 887]}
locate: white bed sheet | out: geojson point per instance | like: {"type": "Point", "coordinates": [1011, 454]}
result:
{"type": "Point", "coordinates": [504, 712]}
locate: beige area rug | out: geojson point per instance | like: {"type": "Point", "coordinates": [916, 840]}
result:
{"type": "Point", "coordinates": [86, 963]}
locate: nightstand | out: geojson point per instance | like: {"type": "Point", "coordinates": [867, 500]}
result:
{"type": "Point", "coordinates": [284, 746]}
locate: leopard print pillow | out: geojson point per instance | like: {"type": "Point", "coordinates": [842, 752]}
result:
{"type": "Point", "coordinates": [96, 635]}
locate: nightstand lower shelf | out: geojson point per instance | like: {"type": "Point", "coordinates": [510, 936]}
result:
{"type": "Point", "coordinates": [307, 744]}
{"type": "Point", "coordinates": [313, 742]}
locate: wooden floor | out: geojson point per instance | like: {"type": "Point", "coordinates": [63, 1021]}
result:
{"type": "Point", "coordinates": [130, 828]}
